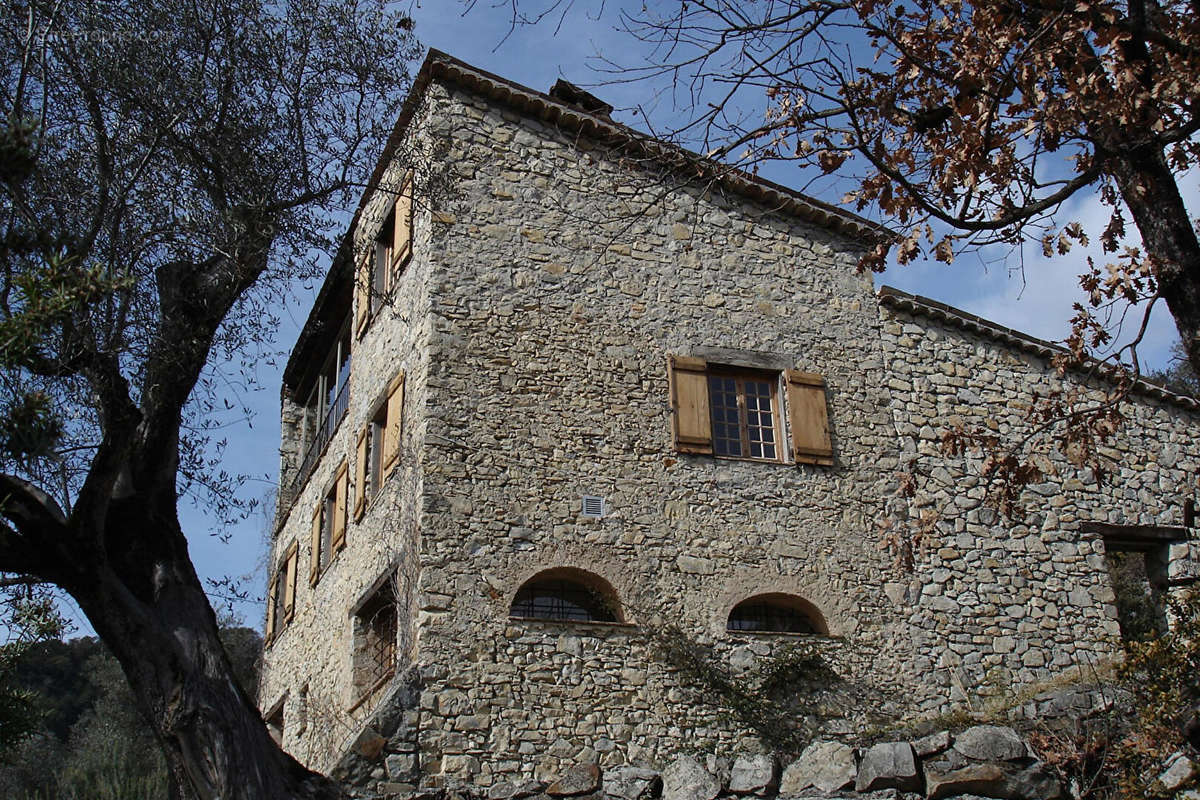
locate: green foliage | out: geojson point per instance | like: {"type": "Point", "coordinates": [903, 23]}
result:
{"type": "Point", "coordinates": [33, 618]}
{"type": "Point", "coordinates": [18, 711]}
{"type": "Point", "coordinates": [90, 742]}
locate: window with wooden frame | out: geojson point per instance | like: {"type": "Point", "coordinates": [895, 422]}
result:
{"type": "Point", "coordinates": [281, 594]}
{"type": "Point", "coordinates": [378, 450]}
{"type": "Point", "coordinates": [733, 412]}
{"type": "Point", "coordinates": [328, 537]}
{"type": "Point", "coordinates": [381, 265]}
{"type": "Point", "coordinates": [376, 630]}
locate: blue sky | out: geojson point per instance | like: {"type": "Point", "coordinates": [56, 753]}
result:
{"type": "Point", "coordinates": [1036, 299]}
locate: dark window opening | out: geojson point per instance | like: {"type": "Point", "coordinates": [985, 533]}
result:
{"type": "Point", "coordinates": [325, 406]}
{"type": "Point", "coordinates": [566, 594]}
{"type": "Point", "coordinates": [274, 720]}
{"type": "Point", "coordinates": [776, 613]}
{"type": "Point", "coordinates": [745, 418]}
{"type": "Point", "coordinates": [375, 451]}
{"type": "Point", "coordinates": [376, 629]}
{"type": "Point", "coordinates": [1139, 587]}
{"type": "Point", "coordinates": [381, 270]}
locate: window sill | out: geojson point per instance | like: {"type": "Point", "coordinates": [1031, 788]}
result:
{"type": "Point", "coordinates": [822, 637]}
{"type": "Point", "coordinates": [800, 461]}
{"type": "Point", "coordinates": [269, 643]}
{"type": "Point", "coordinates": [574, 623]}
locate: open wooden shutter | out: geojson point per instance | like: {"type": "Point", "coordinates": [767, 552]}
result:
{"type": "Point", "coordinates": [362, 292]}
{"type": "Point", "coordinates": [808, 418]}
{"type": "Point", "coordinates": [289, 592]}
{"type": "Point", "coordinates": [402, 226]}
{"type": "Point", "coordinates": [340, 491]}
{"type": "Point", "coordinates": [272, 592]}
{"type": "Point", "coordinates": [395, 414]}
{"type": "Point", "coordinates": [314, 565]}
{"type": "Point", "coordinates": [360, 475]}
{"type": "Point", "coordinates": [689, 404]}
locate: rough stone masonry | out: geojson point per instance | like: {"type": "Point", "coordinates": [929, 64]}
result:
{"type": "Point", "coordinates": [571, 310]}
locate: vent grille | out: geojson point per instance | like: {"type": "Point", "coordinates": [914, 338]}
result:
{"type": "Point", "coordinates": [593, 506]}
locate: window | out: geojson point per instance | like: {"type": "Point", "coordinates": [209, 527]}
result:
{"type": "Point", "coordinates": [378, 450]}
{"type": "Point", "coordinates": [281, 594]}
{"type": "Point", "coordinates": [745, 415]}
{"type": "Point", "coordinates": [566, 594]}
{"type": "Point", "coordinates": [274, 720]}
{"type": "Point", "coordinates": [329, 526]}
{"type": "Point", "coordinates": [376, 629]}
{"type": "Point", "coordinates": [776, 613]}
{"type": "Point", "coordinates": [381, 266]}
{"type": "Point", "coordinates": [325, 405]}
{"type": "Point", "coordinates": [734, 412]}
{"type": "Point", "coordinates": [302, 712]}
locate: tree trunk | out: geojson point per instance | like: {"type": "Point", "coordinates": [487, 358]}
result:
{"type": "Point", "coordinates": [152, 613]}
{"type": "Point", "coordinates": [1149, 189]}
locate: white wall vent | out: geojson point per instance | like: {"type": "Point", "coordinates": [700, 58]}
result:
{"type": "Point", "coordinates": [593, 506]}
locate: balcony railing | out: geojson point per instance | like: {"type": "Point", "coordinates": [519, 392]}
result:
{"type": "Point", "coordinates": [328, 425]}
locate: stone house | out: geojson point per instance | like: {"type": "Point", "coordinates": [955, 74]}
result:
{"type": "Point", "coordinates": [564, 394]}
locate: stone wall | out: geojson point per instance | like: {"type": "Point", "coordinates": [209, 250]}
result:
{"type": "Point", "coordinates": [566, 281]}
{"type": "Point", "coordinates": [310, 665]}
{"type": "Point", "coordinates": [998, 603]}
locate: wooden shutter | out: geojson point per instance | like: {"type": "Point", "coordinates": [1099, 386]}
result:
{"type": "Point", "coordinates": [272, 591]}
{"type": "Point", "coordinates": [360, 475]}
{"type": "Point", "coordinates": [314, 564]}
{"type": "Point", "coordinates": [341, 487]}
{"type": "Point", "coordinates": [808, 418]}
{"type": "Point", "coordinates": [289, 591]}
{"type": "Point", "coordinates": [362, 292]}
{"type": "Point", "coordinates": [689, 404]}
{"type": "Point", "coordinates": [395, 415]}
{"type": "Point", "coordinates": [402, 226]}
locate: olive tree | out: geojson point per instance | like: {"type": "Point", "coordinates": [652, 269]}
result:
{"type": "Point", "coordinates": [167, 170]}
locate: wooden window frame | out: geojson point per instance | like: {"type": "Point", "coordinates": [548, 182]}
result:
{"type": "Point", "coordinates": [741, 377]}
{"type": "Point", "coordinates": [800, 423]}
{"type": "Point", "coordinates": [329, 523]}
{"type": "Point", "coordinates": [377, 453]}
{"type": "Point", "coordinates": [384, 261]}
{"type": "Point", "coordinates": [281, 594]}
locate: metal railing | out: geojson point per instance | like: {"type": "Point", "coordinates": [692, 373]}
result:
{"type": "Point", "coordinates": [329, 424]}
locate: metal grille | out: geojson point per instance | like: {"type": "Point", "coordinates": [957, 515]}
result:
{"type": "Point", "coordinates": [769, 617]}
{"type": "Point", "coordinates": [743, 417]}
{"type": "Point", "coordinates": [593, 506]}
{"type": "Point", "coordinates": [379, 643]}
{"type": "Point", "coordinates": [333, 417]}
{"type": "Point", "coordinates": [561, 599]}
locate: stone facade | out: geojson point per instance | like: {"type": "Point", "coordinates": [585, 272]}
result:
{"type": "Point", "coordinates": [559, 261]}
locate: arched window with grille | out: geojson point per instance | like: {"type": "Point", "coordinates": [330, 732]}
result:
{"type": "Point", "coordinates": [567, 594]}
{"type": "Point", "coordinates": [776, 613]}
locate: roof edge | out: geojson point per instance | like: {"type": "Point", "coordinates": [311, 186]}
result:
{"type": "Point", "coordinates": [891, 297]}
{"type": "Point", "coordinates": [443, 66]}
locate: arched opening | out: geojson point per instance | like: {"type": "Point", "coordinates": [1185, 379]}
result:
{"type": "Point", "coordinates": [569, 594]}
{"type": "Point", "coordinates": [776, 613]}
